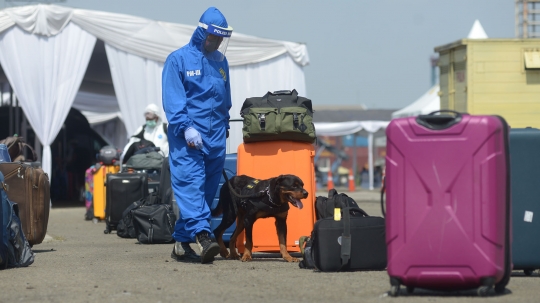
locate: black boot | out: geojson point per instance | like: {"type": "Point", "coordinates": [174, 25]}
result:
{"type": "Point", "coordinates": [208, 248]}
{"type": "Point", "coordinates": [182, 252]}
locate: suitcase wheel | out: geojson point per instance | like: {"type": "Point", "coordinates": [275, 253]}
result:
{"type": "Point", "coordinates": [106, 231]}
{"type": "Point", "coordinates": [499, 288]}
{"type": "Point", "coordinates": [410, 289]}
{"type": "Point", "coordinates": [394, 290]}
{"type": "Point", "coordinates": [395, 286]}
{"type": "Point", "coordinates": [483, 291]}
{"type": "Point", "coordinates": [528, 272]}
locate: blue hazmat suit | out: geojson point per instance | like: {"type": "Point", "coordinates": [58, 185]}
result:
{"type": "Point", "coordinates": [196, 93]}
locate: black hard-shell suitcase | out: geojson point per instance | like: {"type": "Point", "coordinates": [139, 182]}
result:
{"type": "Point", "coordinates": [352, 243]}
{"type": "Point", "coordinates": [525, 188]}
{"type": "Point", "coordinates": [122, 189]}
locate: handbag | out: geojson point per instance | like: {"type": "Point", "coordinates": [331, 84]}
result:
{"type": "Point", "coordinates": [15, 147]}
{"type": "Point", "coordinates": [352, 243]}
{"type": "Point", "coordinates": [279, 115]}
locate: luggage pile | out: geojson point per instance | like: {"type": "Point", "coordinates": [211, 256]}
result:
{"type": "Point", "coordinates": [360, 237]}
{"type": "Point", "coordinates": [111, 190]}
{"type": "Point", "coordinates": [459, 189]}
{"type": "Point", "coordinates": [24, 204]}
{"type": "Point", "coordinates": [278, 133]}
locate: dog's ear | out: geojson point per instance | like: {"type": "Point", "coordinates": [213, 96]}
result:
{"type": "Point", "coordinates": [281, 181]}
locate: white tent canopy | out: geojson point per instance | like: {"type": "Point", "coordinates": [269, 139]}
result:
{"type": "Point", "coordinates": [353, 127]}
{"type": "Point", "coordinates": [45, 52]}
{"type": "Point", "coordinates": [426, 104]}
{"type": "Point", "coordinates": [477, 31]}
{"type": "Point", "coordinates": [348, 128]}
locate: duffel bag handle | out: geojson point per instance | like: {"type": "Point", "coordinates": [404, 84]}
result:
{"type": "Point", "coordinates": [332, 194]}
{"type": "Point", "coordinates": [284, 92]}
{"type": "Point", "coordinates": [439, 122]}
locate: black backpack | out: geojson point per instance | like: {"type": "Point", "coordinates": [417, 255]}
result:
{"type": "Point", "coordinates": [324, 206]}
{"type": "Point", "coordinates": [15, 251]}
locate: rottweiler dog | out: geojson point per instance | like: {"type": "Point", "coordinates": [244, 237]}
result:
{"type": "Point", "coordinates": [249, 199]}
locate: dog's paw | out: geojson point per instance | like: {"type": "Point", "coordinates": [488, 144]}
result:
{"type": "Point", "coordinates": [291, 259]}
{"type": "Point", "coordinates": [246, 258]}
{"type": "Point", "coordinates": [233, 257]}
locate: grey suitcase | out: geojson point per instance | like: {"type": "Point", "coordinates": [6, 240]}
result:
{"type": "Point", "coordinates": [525, 188]}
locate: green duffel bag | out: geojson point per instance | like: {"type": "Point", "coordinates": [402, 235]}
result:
{"type": "Point", "coordinates": [151, 160]}
{"type": "Point", "coordinates": [281, 115]}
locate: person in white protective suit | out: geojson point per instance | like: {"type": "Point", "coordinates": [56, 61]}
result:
{"type": "Point", "coordinates": [154, 130]}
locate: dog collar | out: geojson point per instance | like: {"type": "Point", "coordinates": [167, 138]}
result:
{"type": "Point", "coordinates": [270, 197]}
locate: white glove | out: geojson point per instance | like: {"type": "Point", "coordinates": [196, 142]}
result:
{"type": "Point", "coordinates": [193, 137]}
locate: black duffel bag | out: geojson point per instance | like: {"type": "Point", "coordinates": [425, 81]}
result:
{"type": "Point", "coordinates": [352, 243]}
{"type": "Point", "coordinates": [125, 228]}
{"type": "Point", "coordinates": [154, 224]}
{"type": "Point", "coordinates": [279, 115]}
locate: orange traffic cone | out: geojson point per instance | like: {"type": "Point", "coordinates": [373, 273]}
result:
{"type": "Point", "coordinates": [330, 181]}
{"type": "Point", "coordinates": [351, 181]}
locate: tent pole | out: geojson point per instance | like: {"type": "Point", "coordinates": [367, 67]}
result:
{"type": "Point", "coordinates": [37, 148]}
{"type": "Point", "coordinates": [10, 111]}
{"type": "Point", "coordinates": [370, 160]}
{"type": "Point", "coordinates": [354, 164]}
{"type": "Point", "coordinates": [17, 117]}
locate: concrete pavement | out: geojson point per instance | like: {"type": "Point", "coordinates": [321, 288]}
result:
{"type": "Point", "coordinates": [78, 263]}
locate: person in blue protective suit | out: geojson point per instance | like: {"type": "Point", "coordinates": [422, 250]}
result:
{"type": "Point", "coordinates": [196, 99]}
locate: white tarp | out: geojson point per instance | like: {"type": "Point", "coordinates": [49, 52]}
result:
{"type": "Point", "coordinates": [140, 36]}
{"type": "Point", "coordinates": [136, 49]}
{"type": "Point", "coordinates": [429, 102]}
{"type": "Point", "coordinates": [353, 127]}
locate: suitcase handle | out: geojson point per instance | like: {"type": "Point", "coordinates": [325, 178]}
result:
{"type": "Point", "coordinates": [383, 190]}
{"type": "Point", "coordinates": [439, 122]}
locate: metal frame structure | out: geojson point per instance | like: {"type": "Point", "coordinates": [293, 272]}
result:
{"type": "Point", "coordinates": [527, 21]}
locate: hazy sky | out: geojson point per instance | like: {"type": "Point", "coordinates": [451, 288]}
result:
{"type": "Point", "coordinates": [371, 52]}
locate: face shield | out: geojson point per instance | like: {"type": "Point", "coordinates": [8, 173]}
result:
{"type": "Point", "coordinates": [216, 41]}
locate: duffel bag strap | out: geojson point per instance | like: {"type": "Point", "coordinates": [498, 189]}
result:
{"type": "Point", "coordinates": [295, 121]}
{"type": "Point", "coordinates": [262, 121]}
{"type": "Point", "coordinates": [346, 238]}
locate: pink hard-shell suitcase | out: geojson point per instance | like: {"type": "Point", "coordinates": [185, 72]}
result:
{"type": "Point", "coordinates": [448, 202]}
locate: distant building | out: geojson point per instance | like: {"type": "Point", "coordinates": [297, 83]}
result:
{"type": "Point", "coordinates": [343, 113]}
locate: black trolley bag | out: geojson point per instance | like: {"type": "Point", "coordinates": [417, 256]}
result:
{"type": "Point", "coordinates": [352, 243]}
{"type": "Point", "coordinates": [122, 190]}
{"type": "Point", "coordinates": [524, 147]}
